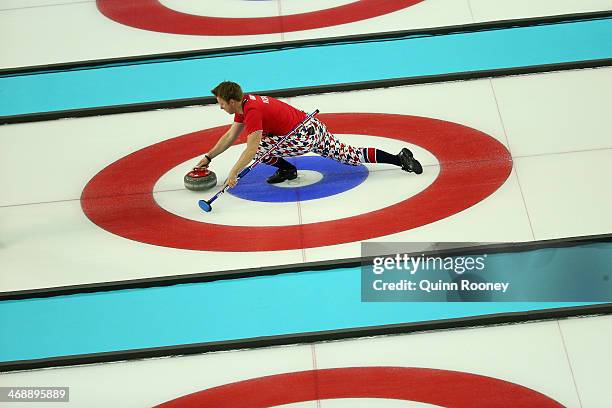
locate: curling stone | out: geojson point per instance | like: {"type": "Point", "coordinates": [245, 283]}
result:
{"type": "Point", "coordinates": [200, 179]}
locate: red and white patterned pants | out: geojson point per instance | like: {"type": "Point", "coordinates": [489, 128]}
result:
{"type": "Point", "coordinates": [313, 137]}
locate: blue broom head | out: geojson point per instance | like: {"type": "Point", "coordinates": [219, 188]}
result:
{"type": "Point", "coordinates": [204, 205]}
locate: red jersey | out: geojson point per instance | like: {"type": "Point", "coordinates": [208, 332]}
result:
{"type": "Point", "coordinates": [268, 115]}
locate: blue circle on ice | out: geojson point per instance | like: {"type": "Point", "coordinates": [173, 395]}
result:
{"type": "Point", "coordinates": [335, 178]}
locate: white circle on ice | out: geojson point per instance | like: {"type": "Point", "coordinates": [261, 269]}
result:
{"type": "Point", "coordinates": [385, 186]}
{"type": "Point", "coordinates": [304, 178]}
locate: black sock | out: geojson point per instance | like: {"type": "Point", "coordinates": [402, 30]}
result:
{"type": "Point", "coordinates": [283, 164]}
{"type": "Point", "coordinates": [373, 155]}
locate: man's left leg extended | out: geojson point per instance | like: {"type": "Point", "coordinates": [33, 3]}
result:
{"type": "Point", "coordinates": [329, 146]}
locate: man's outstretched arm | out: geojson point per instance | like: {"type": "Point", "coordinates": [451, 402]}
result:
{"type": "Point", "coordinates": [253, 141]}
{"type": "Point", "coordinates": [223, 144]}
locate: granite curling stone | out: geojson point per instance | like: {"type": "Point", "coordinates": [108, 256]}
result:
{"type": "Point", "coordinates": [200, 179]}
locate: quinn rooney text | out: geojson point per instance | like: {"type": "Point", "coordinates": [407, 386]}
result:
{"type": "Point", "coordinates": [429, 286]}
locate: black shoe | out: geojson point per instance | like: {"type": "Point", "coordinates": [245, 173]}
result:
{"type": "Point", "coordinates": [282, 175]}
{"type": "Point", "coordinates": [409, 163]}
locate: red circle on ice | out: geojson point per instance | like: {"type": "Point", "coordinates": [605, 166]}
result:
{"type": "Point", "coordinates": [473, 165]}
{"type": "Point", "coordinates": [152, 15]}
{"type": "Point", "coordinates": [450, 389]}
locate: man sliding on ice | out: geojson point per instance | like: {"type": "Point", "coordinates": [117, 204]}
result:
{"type": "Point", "coordinates": [266, 120]}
